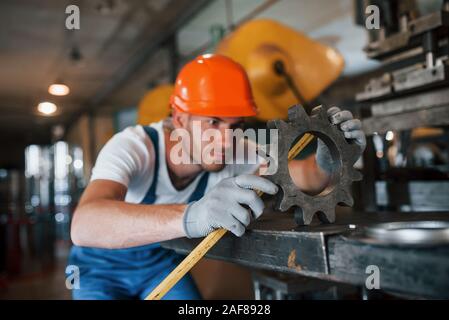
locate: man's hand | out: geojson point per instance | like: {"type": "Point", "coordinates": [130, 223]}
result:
{"type": "Point", "coordinates": [352, 129]}
{"type": "Point", "coordinates": [222, 206]}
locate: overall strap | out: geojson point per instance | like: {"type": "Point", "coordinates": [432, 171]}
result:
{"type": "Point", "coordinates": [150, 196]}
{"type": "Point", "coordinates": [198, 193]}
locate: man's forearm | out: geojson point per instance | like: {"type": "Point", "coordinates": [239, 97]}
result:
{"type": "Point", "coordinates": [308, 176]}
{"type": "Point", "coordinates": [116, 224]}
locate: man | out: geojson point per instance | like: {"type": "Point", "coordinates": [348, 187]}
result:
{"type": "Point", "coordinates": [138, 196]}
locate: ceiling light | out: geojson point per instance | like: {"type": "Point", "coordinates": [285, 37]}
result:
{"type": "Point", "coordinates": [389, 136]}
{"type": "Point", "coordinates": [46, 108]}
{"type": "Point", "coordinates": [58, 89]}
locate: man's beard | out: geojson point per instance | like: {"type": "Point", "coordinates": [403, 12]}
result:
{"type": "Point", "coordinates": [210, 164]}
{"type": "Point", "coordinates": [213, 167]}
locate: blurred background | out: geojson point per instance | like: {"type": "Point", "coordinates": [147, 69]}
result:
{"type": "Point", "coordinates": [64, 93]}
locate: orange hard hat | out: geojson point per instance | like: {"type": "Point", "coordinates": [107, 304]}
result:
{"type": "Point", "coordinates": [215, 86]}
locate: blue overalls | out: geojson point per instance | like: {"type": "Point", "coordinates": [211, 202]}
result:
{"type": "Point", "coordinates": [133, 273]}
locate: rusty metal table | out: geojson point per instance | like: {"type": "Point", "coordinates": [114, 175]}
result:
{"type": "Point", "coordinates": [330, 252]}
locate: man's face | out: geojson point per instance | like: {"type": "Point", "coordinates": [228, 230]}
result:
{"type": "Point", "coordinates": [210, 153]}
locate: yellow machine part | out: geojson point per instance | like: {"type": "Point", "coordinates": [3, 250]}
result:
{"type": "Point", "coordinates": [257, 44]}
{"type": "Point", "coordinates": [155, 105]}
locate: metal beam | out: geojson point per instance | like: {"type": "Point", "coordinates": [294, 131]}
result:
{"type": "Point", "coordinates": [409, 120]}
{"type": "Point", "coordinates": [331, 252]}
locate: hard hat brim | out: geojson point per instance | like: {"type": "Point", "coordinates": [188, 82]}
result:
{"type": "Point", "coordinates": [246, 108]}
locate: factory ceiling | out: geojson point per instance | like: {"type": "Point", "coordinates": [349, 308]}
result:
{"type": "Point", "coordinates": [106, 63]}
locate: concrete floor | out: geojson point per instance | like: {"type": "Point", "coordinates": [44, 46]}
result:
{"type": "Point", "coordinates": [48, 285]}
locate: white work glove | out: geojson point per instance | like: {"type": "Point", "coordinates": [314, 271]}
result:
{"type": "Point", "coordinates": [222, 206]}
{"type": "Point", "coordinates": [352, 129]}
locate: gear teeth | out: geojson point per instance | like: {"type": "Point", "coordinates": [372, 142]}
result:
{"type": "Point", "coordinates": [321, 114]}
{"type": "Point", "coordinates": [302, 217]}
{"type": "Point", "coordinates": [297, 113]}
{"type": "Point", "coordinates": [345, 198]}
{"type": "Point", "coordinates": [306, 206]}
{"type": "Point", "coordinates": [354, 152]}
{"type": "Point", "coordinates": [356, 175]}
{"type": "Point", "coordinates": [287, 202]}
{"type": "Point", "coordinates": [271, 124]}
{"type": "Point", "coordinates": [274, 124]}
{"type": "Point", "coordinates": [326, 217]}
{"type": "Point", "coordinates": [283, 128]}
{"type": "Point", "coordinates": [329, 209]}
{"type": "Point", "coordinates": [276, 179]}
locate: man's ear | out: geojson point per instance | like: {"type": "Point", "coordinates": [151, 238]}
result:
{"type": "Point", "coordinates": [180, 119]}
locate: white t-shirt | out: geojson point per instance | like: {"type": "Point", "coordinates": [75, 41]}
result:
{"type": "Point", "coordinates": [128, 158]}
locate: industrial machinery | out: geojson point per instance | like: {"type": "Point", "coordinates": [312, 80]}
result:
{"type": "Point", "coordinates": [284, 66]}
{"type": "Point", "coordinates": [399, 225]}
{"type": "Point", "coordinates": [155, 105]}
{"type": "Point", "coordinates": [405, 109]}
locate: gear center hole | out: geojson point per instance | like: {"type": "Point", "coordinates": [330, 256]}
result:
{"type": "Point", "coordinates": [304, 170]}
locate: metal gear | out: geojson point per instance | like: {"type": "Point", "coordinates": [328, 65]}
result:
{"type": "Point", "coordinates": [343, 153]}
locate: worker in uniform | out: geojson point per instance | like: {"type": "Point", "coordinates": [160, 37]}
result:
{"type": "Point", "coordinates": [138, 196]}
